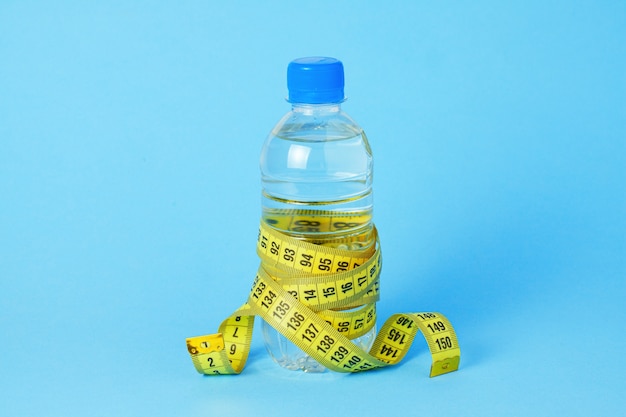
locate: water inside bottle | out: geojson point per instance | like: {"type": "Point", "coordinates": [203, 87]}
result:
{"type": "Point", "coordinates": [325, 170]}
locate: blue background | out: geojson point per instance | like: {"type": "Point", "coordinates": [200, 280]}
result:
{"type": "Point", "coordinates": [130, 134]}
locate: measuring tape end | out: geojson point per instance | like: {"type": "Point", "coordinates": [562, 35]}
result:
{"type": "Point", "coordinates": [445, 366]}
{"type": "Point", "coordinates": [205, 344]}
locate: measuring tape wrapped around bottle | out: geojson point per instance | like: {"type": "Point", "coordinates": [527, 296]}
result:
{"type": "Point", "coordinates": [320, 297]}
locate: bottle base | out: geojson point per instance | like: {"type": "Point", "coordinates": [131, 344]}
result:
{"type": "Point", "coordinates": [304, 364]}
{"type": "Point", "coordinates": [289, 356]}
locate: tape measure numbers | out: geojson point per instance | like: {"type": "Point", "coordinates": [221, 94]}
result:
{"type": "Point", "coordinates": [320, 297]}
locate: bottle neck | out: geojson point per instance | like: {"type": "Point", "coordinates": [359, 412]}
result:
{"type": "Point", "coordinates": [317, 109]}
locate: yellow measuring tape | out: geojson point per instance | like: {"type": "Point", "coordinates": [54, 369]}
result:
{"type": "Point", "coordinates": [320, 297]}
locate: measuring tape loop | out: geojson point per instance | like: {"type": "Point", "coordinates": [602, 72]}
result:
{"type": "Point", "coordinates": [320, 297]}
{"type": "Point", "coordinates": [353, 323]}
{"type": "Point", "coordinates": [308, 331]}
{"type": "Point", "coordinates": [340, 290]}
{"type": "Point", "coordinates": [280, 250]}
{"type": "Point", "coordinates": [343, 320]}
{"type": "Point", "coordinates": [317, 221]}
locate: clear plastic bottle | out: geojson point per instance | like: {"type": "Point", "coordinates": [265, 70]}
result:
{"type": "Point", "coordinates": [317, 159]}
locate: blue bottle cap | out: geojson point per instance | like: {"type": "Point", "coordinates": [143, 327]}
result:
{"type": "Point", "coordinates": [315, 80]}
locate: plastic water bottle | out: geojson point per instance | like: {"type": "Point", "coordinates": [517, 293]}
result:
{"type": "Point", "coordinates": [317, 159]}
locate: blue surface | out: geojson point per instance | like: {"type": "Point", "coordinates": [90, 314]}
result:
{"type": "Point", "coordinates": [129, 200]}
